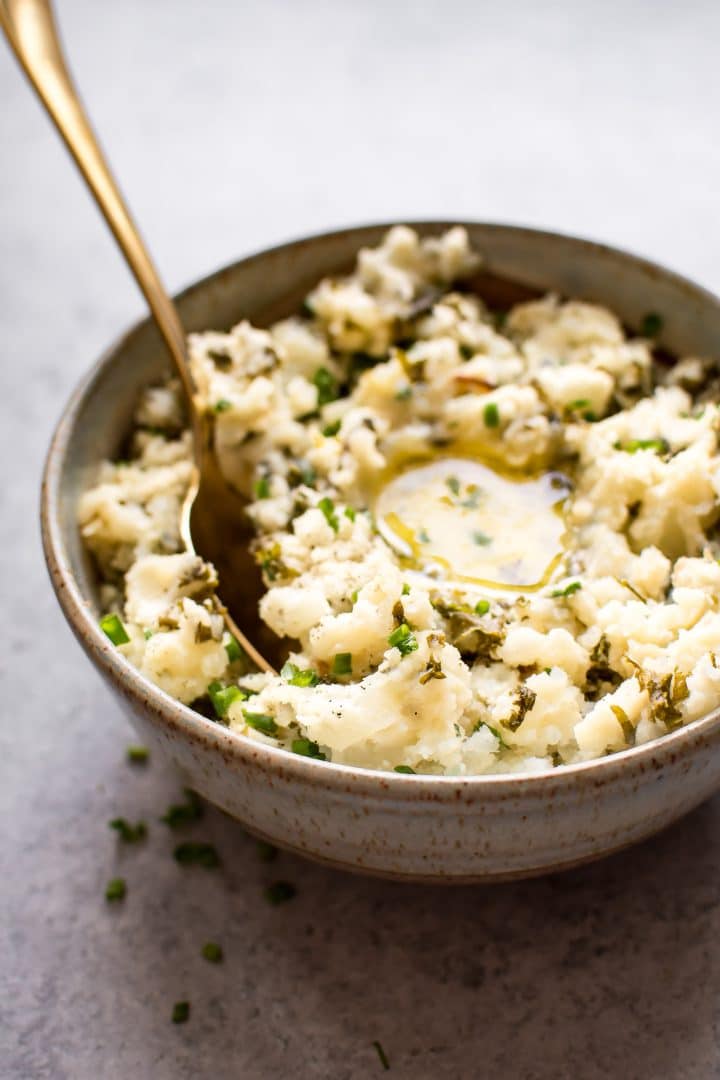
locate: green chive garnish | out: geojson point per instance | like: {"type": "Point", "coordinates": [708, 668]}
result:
{"type": "Point", "coordinates": [659, 446]}
{"type": "Point", "coordinates": [279, 892]}
{"type": "Point", "coordinates": [382, 1055]}
{"type": "Point", "coordinates": [212, 952]}
{"type": "Point", "coordinates": [113, 627]}
{"type": "Point", "coordinates": [491, 415]}
{"type": "Point", "coordinates": [261, 722]}
{"type": "Point", "coordinates": [262, 488]}
{"type": "Point", "coordinates": [328, 508]}
{"type": "Point", "coordinates": [331, 429]}
{"type": "Point", "coordinates": [232, 648]}
{"type": "Point", "coordinates": [129, 834]}
{"type": "Point", "coordinates": [454, 484]}
{"type": "Point", "coordinates": [180, 1012]}
{"type": "Point", "coordinates": [115, 889]}
{"type": "Point", "coordinates": [194, 854]}
{"type": "Point", "coordinates": [480, 538]}
{"type": "Point", "coordinates": [482, 607]}
{"type": "Point", "coordinates": [342, 664]}
{"type": "Point", "coordinates": [137, 755]}
{"type": "Point", "coordinates": [222, 697]}
{"type": "Point", "coordinates": [568, 590]}
{"type": "Point", "coordinates": [651, 325]}
{"type": "Point", "coordinates": [222, 405]}
{"type": "Point", "coordinates": [179, 814]}
{"type": "Point", "coordinates": [299, 677]}
{"type": "Point", "coordinates": [326, 386]}
{"type": "Point", "coordinates": [307, 748]}
{"type": "Point", "coordinates": [349, 512]}
{"type": "Point", "coordinates": [404, 769]}
{"type": "Point", "coordinates": [402, 638]}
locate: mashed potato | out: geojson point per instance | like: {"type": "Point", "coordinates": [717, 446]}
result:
{"type": "Point", "coordinates": [469, 629]}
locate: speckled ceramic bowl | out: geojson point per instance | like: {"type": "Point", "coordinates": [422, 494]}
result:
{"type": "Point", "coordinates": [411, 827]}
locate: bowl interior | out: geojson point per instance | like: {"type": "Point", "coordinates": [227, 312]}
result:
{"type": "Point", "coordinates": [272, 284]}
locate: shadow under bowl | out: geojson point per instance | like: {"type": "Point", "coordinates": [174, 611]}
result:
{"type": "Point", "coordinates": [444, 829]}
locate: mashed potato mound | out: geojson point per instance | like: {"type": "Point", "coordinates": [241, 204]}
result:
{"type": "Point", "coordinates": [393, 664]}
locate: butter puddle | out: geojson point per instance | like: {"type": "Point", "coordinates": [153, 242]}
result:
{"type": "Point", "coordinates": [458, 519]}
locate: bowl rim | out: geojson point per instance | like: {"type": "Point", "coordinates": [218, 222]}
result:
{"type": "Point", "coordinates": [135, 687]}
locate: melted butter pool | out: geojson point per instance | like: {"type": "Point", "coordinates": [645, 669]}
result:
{"type": "Point", "coordinates": [461, 520]}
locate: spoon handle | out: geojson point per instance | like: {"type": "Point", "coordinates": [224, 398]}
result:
{"type": "Point", "coordinates": [30, 28]}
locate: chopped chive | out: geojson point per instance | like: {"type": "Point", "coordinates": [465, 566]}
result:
{"type": "Point", "coordinates": [137, 755]}
{"type": "Point", "coordinates": [327, 506]}
{"type": "Point", "coordinates": [179, 814]}
{"type": "Point", "coordinates": [350, 512]}
{"type": "Point", "coordinates": [326, 384]}
{"type": "Point", "coordinates": [423, 536]}
{"type": "Point", "coordinates": [404, 393]}
{"type": "Point", "coordinates": [212, 952]}
{"type": "Point", "coordinates": [194, 854]}
{"type": "Point", "coordinates": [353, 597]}
{"type": "Point", "coordinates": [404, 769]}
{"type": "Point", "coordinates": [494, 731]}
{"type": "Point", "coordinates": [232, 648]}
{"type": "Point", "coordinates": [454, 484]}
{"type": "Point", "coordinates": [568, 590]}
{"type": "Point", "coordinates": [279, 892]}
{"type": "Point", "coordinates": [112, 626]}
{"type": "Point", "coordinates": [659, 446]}
{"type": "Point", "coordinates": [260, 722]}
{"type": "Point", "coordinates": [480, 538]}
{"type": "Point", "coordinates": [331, 429]}
{"type": "Point", "coordinates": [406, 590]}
{"type": "Point", "coordinates": [579, 403]}
{"type": "Point", "coordinates": [382, 1055]}
{"type": "Point", "coordinates": [482, 607]}
{"type": "Point", "coordinates": [147, 634]}
{"type": "Point", "coordinates": [129, 834]}
{"type": "Point", "coordinates": [222, 405]}
{"type": "Point", "coordinates": [299, 677]}
{"type": "Point", "coordinates": [342, 664]}
{"type": "Point", "coordinates": [181, 1012]}
{"type": "Point", "coordinates": [262, 488]}
{"type": "Point", "coordinates": [115, 890]}
{"type": "Point", "coordinates": [466, 351]}
{"type": "Point", "coordinates": [307, 748]}
{"type": "Point", "coordinates": [266, 852]}
{"type": "Point", "coordinates": [651, 325]}
{"type": "Point", "coordinates": [491, 415]}
{"type": "Point", "coordinates": [222, 697]}
{"type": "Point", "coordinates": [402, 638]}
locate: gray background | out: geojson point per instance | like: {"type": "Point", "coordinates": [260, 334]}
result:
{"type": "Point", "coordinates": [234, 126]}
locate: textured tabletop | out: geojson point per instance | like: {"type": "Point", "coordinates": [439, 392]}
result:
{"type": "Point", "coordinates": [234, 126]}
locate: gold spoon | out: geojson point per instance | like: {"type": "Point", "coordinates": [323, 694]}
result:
{"type": "Point", "coordinates": [213, 522]}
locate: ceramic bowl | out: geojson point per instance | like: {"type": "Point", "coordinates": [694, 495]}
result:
{"type": "Point", "coordinates": [443, 829]}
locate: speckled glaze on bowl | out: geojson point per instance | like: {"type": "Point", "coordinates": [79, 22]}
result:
{"type": "Point", "coordinates": [443, 829]}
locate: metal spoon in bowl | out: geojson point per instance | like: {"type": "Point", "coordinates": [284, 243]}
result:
{"type": "Point", "coordinates": [213, 522]}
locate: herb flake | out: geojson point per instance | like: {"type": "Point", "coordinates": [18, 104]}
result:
{"type": "Point", "coordinates": [112, 626]}
{"type": "Point", "coordinates": [197, 854]}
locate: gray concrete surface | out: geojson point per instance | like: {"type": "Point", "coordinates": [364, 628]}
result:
{"type": "Point", "coordinates": [234, 126]}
